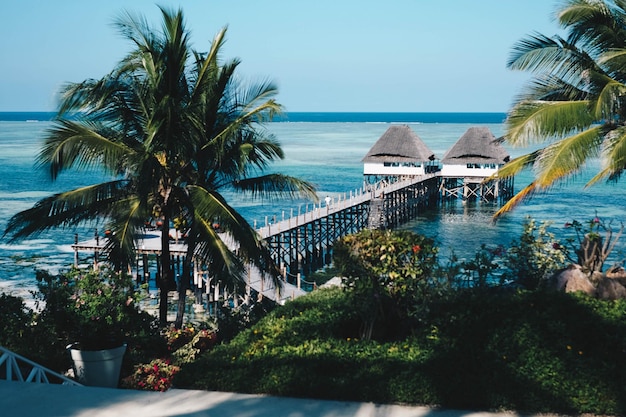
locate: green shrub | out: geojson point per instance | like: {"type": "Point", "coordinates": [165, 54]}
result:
{"type": "Point", "coordinates": [389, 275]}
{"type": "Point", "coordinates": [477, 349]}
{"type": "Point", "coordinates": [532, 259]}
{"type": "Point", "coordinates": [16, 321]}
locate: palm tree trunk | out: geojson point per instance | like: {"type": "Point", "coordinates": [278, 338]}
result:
{"type": "Point", "coordinates": [166, 270]}
{"type": "Point", "coordinates": [184, 282]}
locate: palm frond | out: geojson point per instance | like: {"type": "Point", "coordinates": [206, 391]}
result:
{"type": "Point", "coordinates": [551, 88]}
{"type": "Point", "coordinates": [613, 156]}
{"type": "Point", "coordinates": [126, 222]}
{"type": "Point", "coordinates": [540, 121]}
{"type": "Point", "coordinates": [523, 195]}
{"type": "Point", "coordinates": [516, 165]}
{"type": "Point", "coordinates": [555, 56]}
{"type": "Point", "coordinates": [253, 114]}
{"type": "Point", "coordinates": [206, 70]}
{"type": "Point", "coordinates": [609, 102]}
{"type": "Point", "coordinates": [614, 59]}
{"type": "Point", "coordinates": [225, 265]}
{"type": "Point", "coordinates": [73, 144]}
{"type": "Point", "coordinates": [566, 156]}
{"type": "Point", "coordinates": [277, 186]}
{"type": "Point", "coordinates": [537, 53]}
{"type": "Point", "coordinates": [210, 206]}
{"type": "Point", "coordinates": [597, 24]}
{"type": "Point", "coordinates": [67, 209]}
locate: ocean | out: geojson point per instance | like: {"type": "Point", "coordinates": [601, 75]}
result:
{"type": "Point", "coordinates": [324, 148]}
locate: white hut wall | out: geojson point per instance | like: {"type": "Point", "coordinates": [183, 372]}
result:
{"type": "Point", "coordinates": [393, 168]}
{"type": "Point", "coordinates": [469, 170]}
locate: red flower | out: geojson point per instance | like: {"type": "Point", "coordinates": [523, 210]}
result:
{"type": "Point", "coordinates": [416, 248]}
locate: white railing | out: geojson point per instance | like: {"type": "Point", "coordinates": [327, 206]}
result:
{"type": "Point", "coordinates": [17, 366]}
{"type": "Point", "coordinates": [339, 203]}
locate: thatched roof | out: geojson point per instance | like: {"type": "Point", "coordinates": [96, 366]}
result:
{"type": "Point", "coordinates": [399, 144]}
{"type": "Point", "coordinates": [477, 145]}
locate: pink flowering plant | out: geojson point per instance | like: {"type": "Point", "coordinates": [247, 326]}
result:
{"type": "Point", "coordinates": [158, 375]}
{"type": "Point", "coordinates": [176, 338]}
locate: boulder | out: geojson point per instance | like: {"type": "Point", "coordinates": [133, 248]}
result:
{"type": "Point", "coordinates": [573, 279]}
{"type": "Point", "coordinates": [610, 289]}
{"type": "Point", "coordinates": [617, 272]}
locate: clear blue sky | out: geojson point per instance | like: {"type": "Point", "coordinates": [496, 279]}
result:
{"type": "Point", "coordinates": [325, 55]}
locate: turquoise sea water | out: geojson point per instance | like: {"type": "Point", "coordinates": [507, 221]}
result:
{"type": "Point", "coordinates": [324, 148]}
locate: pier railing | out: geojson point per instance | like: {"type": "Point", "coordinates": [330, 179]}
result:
{"type": "Point", "coordinates": [342, 202]}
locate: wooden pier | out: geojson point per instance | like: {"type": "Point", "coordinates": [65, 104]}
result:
{"type": "Point", "coordinates": [401, 179]}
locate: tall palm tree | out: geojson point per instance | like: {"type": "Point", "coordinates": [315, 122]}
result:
{"type": "Point", "coordinates": [230, 150]}
{"type": "Point", "coordinates": [575, 107]}
{"type": "Point", "coordinates": [157, 124]}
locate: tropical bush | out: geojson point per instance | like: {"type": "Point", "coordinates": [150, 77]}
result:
{"type": "Point", "coordinates": [389, 275]}
{"type": "Point", "coordinates": [529, 351]}
{"type": "Point", "coordinates": [16, 321]}
{"type": "Point", "coordinates": [592, 242]}
{"type": "Point", "coordinates": [95, 308]}
{"type": "Point", "coordinates": [157, 375]}
{"type": "Point", "coordinates": [535, 256]}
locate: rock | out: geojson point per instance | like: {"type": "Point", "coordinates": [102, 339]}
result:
{"type": "Point", "coordinates": [610, 289]}
{"type": "Point", "coordinates": [573, 279]}
{"type": "Point", "coordinates": [617, 272]}
{"type": "Point", "coordinates": [333, 282]}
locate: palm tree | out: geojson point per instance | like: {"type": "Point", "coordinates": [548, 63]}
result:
{"type": "Point", "coordinates": [230, 149]}
{"type": "Point", "coordinates": [575, 107]}
{"type": "Point", "coordinates": [150, 125]}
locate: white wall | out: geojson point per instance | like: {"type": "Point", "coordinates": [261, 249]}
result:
{"type": "Point", "coordinates": [381, 169]}
{"type": "Point", "coordinates": [464, 171]}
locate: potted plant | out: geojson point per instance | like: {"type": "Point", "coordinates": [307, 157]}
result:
{"type": "Point", "coordinates": [100, 313]}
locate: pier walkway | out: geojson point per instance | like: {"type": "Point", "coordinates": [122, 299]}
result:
{"type": "Point", "coordinates": [302, 243]}
{"type": "Point", "coordinates": [359, 197]}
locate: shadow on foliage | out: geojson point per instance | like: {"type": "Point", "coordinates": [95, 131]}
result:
{"type": "Point", "coordinates": [477, 349]}
{"type": "Point", "coordinates": [530, 351]}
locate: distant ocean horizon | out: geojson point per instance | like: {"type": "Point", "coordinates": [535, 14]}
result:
{"type": "Point", "coordinates": [327, 117]}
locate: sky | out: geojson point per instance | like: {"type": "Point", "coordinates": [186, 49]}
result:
{"type": "Point", "coordinates": [324, 55]}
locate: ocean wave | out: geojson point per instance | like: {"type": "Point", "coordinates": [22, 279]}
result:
{"type": "Point", "coordinates": [24, 195]}
{"type": "Point", "coordinates": [22, 247]}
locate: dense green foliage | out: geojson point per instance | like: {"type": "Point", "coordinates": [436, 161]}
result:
{"type": "Point", "coordinates": [535, 256]}
{"type": "Point", "coordinates": [483, 349]}
{"type": "Point", "coordinates": [96, 309]}
{"type": "Point", "coordinates": [388, 275]}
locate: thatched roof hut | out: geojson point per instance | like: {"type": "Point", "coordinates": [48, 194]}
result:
{"type": "Point", "coordinates": [399, 144]}
{"type": "Point", "coordinates": [477, 146]}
